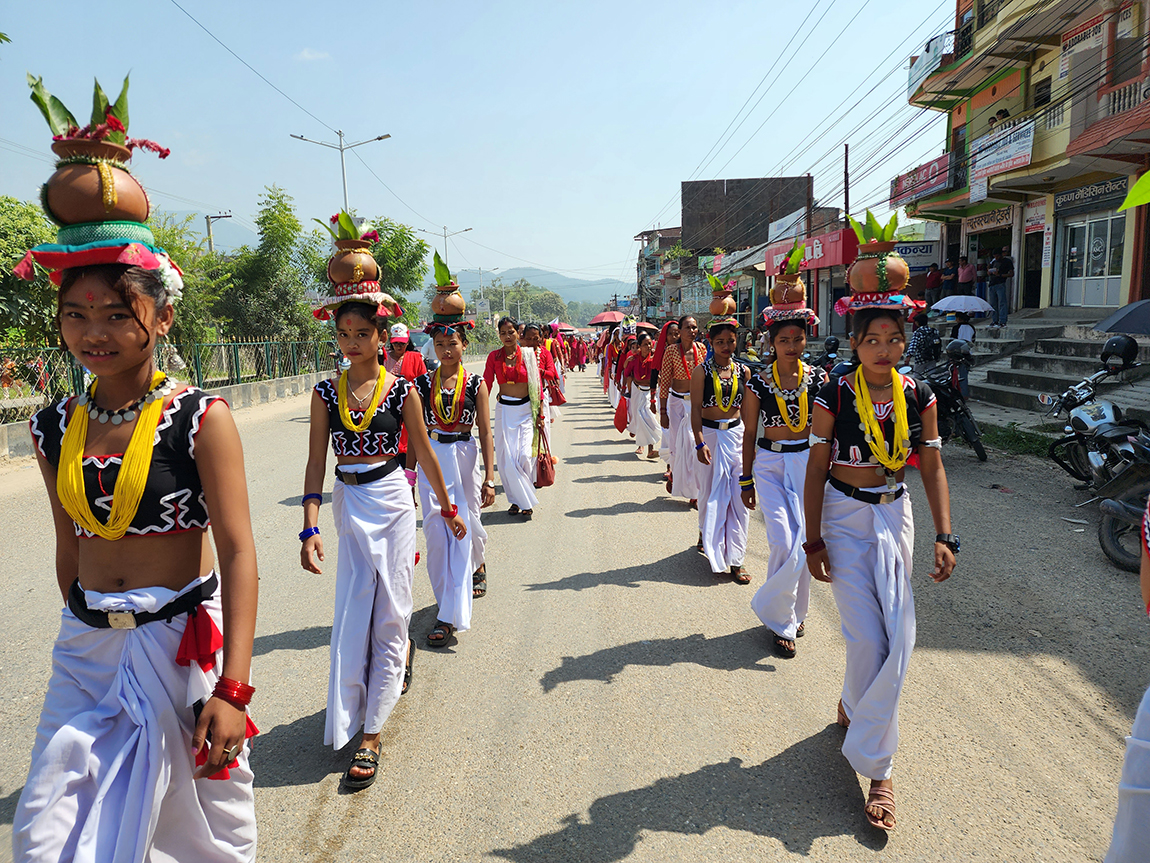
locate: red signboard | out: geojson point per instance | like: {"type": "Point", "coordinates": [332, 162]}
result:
{"type": "Point", "coordinates": [836, 249]}
{"type": "Point", "coordinates": [924, 180]}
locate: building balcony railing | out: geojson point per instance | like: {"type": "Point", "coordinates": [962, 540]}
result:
{"type": "Point", "coordinates": [1124, 98]}
{"type": "Point", "coordinates": [964, 39]}
{"type": "Point", "coordinates": [988, 11]}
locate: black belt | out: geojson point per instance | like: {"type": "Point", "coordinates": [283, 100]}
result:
{"type": "Point", "coordinates": [368, 475]}
{"type": "Point", "coordinates": [507, 400]}
{"type": "Point", "coordinates": [448, 437]}
{"type": "Point", "coordinates": [131, 619]}
{"type": "Point", "coordinates": [866, 496]}
{"type": "Point", "coordinates": [679, 395]}
{"type": "Point", "coordinates": [722, 424]}
{"type": "Point", "coordinates": [784, 445]}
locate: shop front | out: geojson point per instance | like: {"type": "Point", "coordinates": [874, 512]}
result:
{"type": "Point", "coordinates": [986, 234]}
{"type": "Point", "coordinates": [824, 267]}
{"type": "Point", "coordinates": [1090, 244]}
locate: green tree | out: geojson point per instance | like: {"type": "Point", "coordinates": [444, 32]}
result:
{"type": "Point", "coordinates": [29, 308]}
{"type": "Point", "coordinates": [205, 277]}
{"type": "Point", "coordinates": [265, 295]}
{"type": "Point", "coordinates": [547, 306]}
{"type": "Point", "coordinates": [402, 259]}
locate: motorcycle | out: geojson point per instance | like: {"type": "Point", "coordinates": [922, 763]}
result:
{"type": "Point", "coordinates": [829, 356]}
{"type": "Point", "coordinates": [953, 412]}
{"type": "Point", "coordinates": [1110, 455]}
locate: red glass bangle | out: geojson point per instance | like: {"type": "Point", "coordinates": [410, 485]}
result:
{"type": "Point", "coordinates": [450, 513]}
{"type": "Point", "coordinates": [813, 546]}
{"type": "Point", "coordinates": [236, 694]}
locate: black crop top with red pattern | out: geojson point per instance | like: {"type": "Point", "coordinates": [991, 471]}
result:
{"type": "Point", "coordinates": [849, 446]}
{"type": "Point", "coordinates": [762, 382]}
{"type": "Point", "coordinates": [470, 394]}
{"type": "Point", "coordinates": [173, 499]}
{"type": "Point", "coordinates": [381, 437]}
{"type": "Point", "coordinates": [724, 385]}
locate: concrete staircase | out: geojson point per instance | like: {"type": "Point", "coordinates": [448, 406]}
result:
{"type": "Point", "coordinates": [1047, 355]}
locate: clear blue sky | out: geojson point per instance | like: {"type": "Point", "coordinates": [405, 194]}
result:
{"type": "Point", "coordinates": [555, 130]}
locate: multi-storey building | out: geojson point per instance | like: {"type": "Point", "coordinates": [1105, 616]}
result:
{"type": "Point", "coordinates": [1048, 124]}
{"type": "Point", "coordinates": [657, 274]}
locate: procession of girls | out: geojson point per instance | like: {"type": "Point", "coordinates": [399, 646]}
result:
{"type": "Point", "coordinates": [812, 475]}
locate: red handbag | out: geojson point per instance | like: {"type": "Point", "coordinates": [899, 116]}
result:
{"type": "Point", "coordinates": [621, 416]}
{"type": "Point", "coordinates": [544, 467]}
{"type": "Point", "coordinates": [555, 394]}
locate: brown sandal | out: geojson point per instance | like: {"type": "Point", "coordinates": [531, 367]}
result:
{"type": "Point", "coordinates": [843, 719]}
{"type": "Point", "coordinates": [882, 798]}
{"type": "Point", "coordinates": [739, 575]}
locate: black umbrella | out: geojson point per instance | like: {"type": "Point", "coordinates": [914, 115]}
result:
{"type": "Point", "coordinates": [1134, 320]}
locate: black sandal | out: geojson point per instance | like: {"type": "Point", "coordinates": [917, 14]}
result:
{"type": "Point", "coordinates": [443, 630]}
{"type": "Point", "coordinates": [802, 630]}
{"type": "Point", "coordinates": [527, 514]}
{"type": "Point", "coordinates": [514, 509]}
{"type": "Point", "coordinates": [479, 582]}
{"type": "Point", "coordinates": [740, 576]}
{"type": "Point", "coordinates": [364, 758]}
{"type": "Point", "coordinates": [699, 544]}
{"type": "Point", "coordinates": [781, 646]}
{"type": "Point", "coordinates": [408, 673]}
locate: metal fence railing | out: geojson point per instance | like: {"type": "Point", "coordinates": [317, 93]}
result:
{"type": "Point", "coordinates": [34, 376]}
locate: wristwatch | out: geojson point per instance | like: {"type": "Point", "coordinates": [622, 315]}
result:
{"type": "Point", "coordinates": [489, 483]}
{"type": "Point", "coordinates": [950, 540]}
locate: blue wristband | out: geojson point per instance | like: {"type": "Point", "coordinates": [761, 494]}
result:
{"type": "Point", "coordinates": [308, 497]}
{"type": "Point", "coordinates": [699, 446]}
{"type": "Point", "coordinates": [308, 532]}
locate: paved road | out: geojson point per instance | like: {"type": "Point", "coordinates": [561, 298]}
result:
{"type": "Point", "coordinates": [614, 703]}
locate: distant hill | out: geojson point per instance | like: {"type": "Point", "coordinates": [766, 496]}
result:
{"type": "Point", "coordinates": [581, 290]}
{"type": "Point", "coordinates": [227, 234]}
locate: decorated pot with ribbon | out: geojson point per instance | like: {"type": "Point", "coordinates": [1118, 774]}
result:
{"type": "Point", "coordinates": [878, 269]}
{"type": "Point", "coordinates": [92, 184]}
{"type": "Point", "coordinates": [448, 301]}
{"type": "Point", "coordinates": [722, 304]}
{"type": "Point", "coordinates": [352, 263]}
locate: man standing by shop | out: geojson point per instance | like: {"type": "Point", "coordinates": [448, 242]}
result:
{"type": "Point", "coordinates": [933, 285]}
{"type": "Point", "coordinates": [1001, 273]}
{"type": "Point", "coordinates": [949, 278]}
{"type": "Point", "coordinates": [966, 275]}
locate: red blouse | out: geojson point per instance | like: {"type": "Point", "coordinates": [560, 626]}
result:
{"type": "Point", "coordinates": [639, 369]}
{"type": "Point", "coordinates": [497, 370]}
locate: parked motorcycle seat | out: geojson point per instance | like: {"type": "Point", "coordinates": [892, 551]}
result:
{"type": "Point", "coordinates": [1115, 431]}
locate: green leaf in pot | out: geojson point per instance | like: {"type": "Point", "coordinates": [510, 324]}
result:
{"type": "Point", "coordinates": [120, 112]}
{"type": "Point", "coordinates": [442, 274]}
{"type": "Point", "coordinates": [99, 104]}
{"type": "Point", "coordinates": [59, 118]}
{"type": "Point", "coordinates": [860, 232]}
{"type": "Point", "coordinates": [891, 227]}
{"type": "Point", "coordinates": [347, 228]}
{"type": "Point", "coordinates": [874, 229]}
{"type": "Point", "coordinates": [795, 259]}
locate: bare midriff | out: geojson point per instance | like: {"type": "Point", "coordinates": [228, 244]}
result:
{"type": "Point", "coordinates": [135, 562]}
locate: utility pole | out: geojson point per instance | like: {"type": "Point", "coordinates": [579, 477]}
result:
{"type": "Point", "coordinates": [341, 146]}
{"type": "Point", "coordinates": [209, 220]}
{"type": "Point", "coordinates": [445, 236]}
{"type": "Point", "coordinates": [847, 178]}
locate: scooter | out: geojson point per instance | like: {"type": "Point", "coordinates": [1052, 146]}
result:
{"type": "Point", "coordinates": [953, 412]}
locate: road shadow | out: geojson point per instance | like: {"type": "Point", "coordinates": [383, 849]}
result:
{"type": "Point", "coordinates": [657, 504]}
{"type": "Point", "coordinates": [593, 443]}
{"type": "Point", "coordinates": [295, 500]}
{"type": "Point", "coordinates": [654, 477]}
{"type": "Point", "coordinates": [294, 754]}
{"type": "Point", "coordinates": [736, 651]}
{"type": "Point", "coordinates": [8, 806]}
{"type": "Point", "coordinates": [805, 793]}
{"type": "Point", "coordinates": [600, 458]}
{"type": "Point", "coordinates": [686, 567]}
{"type": "Point", "coordinates": [294, 639]}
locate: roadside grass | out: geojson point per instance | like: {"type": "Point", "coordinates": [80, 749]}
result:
{"type": "Point", "coordinates": [1013, 439]}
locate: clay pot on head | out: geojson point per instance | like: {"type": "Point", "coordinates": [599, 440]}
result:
{"type": "Point", "coordinates": [448, 301]}
{"type": "Point", "coordinates": [722, 304]}
{"type": "Point", "coordinates": [863, 273]}
{"type": "Point", "coordinates": [79, 193]}
{"type": "Point", "coordinates": [788, 289]}
{"type": "Point", "coordinates": [352, 263]}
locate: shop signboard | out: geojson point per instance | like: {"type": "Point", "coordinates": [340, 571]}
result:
{"type": "Point", "coordinates": [1000, 218]}
{"type": "Point", "coordinates": [978, 190]}
{"type": "Point", "coordinates": [930, 59]}
{"type": "Point", "coordinates": [1034, 216]}
{"type": "Point", "coordinates": [1088, 35]}
{"type": "Point", "coordinates": [836, 249]}
{"type": "Point", "coordinates": [918, 256]}
{"type": "Point", "coordinates": [934, 176]}
{"type": "Point", "coordinates": [1047, 244]}
{"type": "Point", "coordinates": [1102, 195]}
{"type": "Point", "coordinates": [1002, 150]}
{"type": "Point", "coordinates": [483, 307]}
{"type": "Point", "coordinates": [790, 225]}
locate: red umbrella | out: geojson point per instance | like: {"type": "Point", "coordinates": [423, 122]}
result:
{"type": "Point", "coordinates": [606, 318]}
{"type": "Point", "coordinates": [647, 326]}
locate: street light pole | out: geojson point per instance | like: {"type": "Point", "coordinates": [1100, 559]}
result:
{"type": "Point", "coordinates": [445, 236]}
{"type": "Point", "coordinates": [209, 220]}
{"type": "Point", "coordinates": [341, 146]}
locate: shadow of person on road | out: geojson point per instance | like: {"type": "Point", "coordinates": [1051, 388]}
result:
{"type": "Point", "coordinates": [293, 639]}
{"type": "Point", "coordinates": [686, 567]}
{"type": "Point", "coordinates": [294, 754]}
{"type": "Point", "coordinates": [654, 477]}
{"type": "Point", "coordinates": [294, 500]}
{"type": "Point", "coordinates": [656, 504]}
{"type": "Point", "coordinates": [805, 793]}
{"type": "Point", "coordinates": [737, 651]}
{"type": "Point", "coordinates": [8, 806]}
